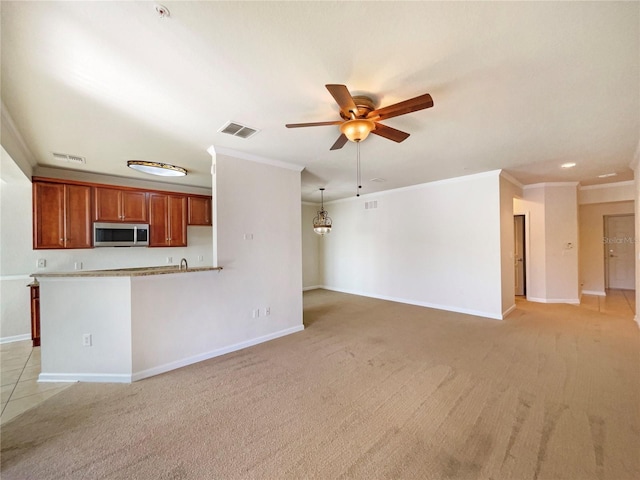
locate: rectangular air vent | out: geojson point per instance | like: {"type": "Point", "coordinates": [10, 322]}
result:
{"type": "Point", "coordinates": [65, 157]}
{"type": "Point", "coordinates": [238, 130]}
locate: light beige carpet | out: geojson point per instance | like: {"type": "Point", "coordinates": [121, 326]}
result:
{"type": "Point", "coordinates": [370, 390]}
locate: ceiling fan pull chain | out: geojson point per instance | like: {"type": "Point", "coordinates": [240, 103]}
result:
{"type": "Point", "coordinates": [358, 170]}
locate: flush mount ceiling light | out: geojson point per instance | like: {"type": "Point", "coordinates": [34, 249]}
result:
{"type": "Point", "coordinates": [322, 221]}
{"type": "Point", "coordinates": [155, 168]}
{"type": "Point", "coordinates": [568, 165]}
{"type": "Point", "coordinates": [607, 175]}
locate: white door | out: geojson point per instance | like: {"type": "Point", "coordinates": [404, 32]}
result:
{"type": "Point", "coordinates": [518, 253]}
{"type": "Point", "coordinates": [619, 243]}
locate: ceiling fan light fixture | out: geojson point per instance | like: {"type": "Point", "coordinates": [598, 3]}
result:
{"type": "Point", "coordinates": [156, 168]}
{"type": "Point", "coordinates": [357, 129]}
{"type": "Point", "coordinates": [322, 222]}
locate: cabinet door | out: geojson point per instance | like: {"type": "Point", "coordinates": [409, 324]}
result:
{"type": "Point", "coordinates": [177, 221]}
{"type": "Point", "coordinates": [134, 206]}
{"type": "Point", "coordinates": [158, 220]}
{"type": "Point", "coordinates": [77, 216]}
{"type": "Point", "coordinates": [108, 205]}
{"type": "Point", "coordinates": [48, 215]}
{"type": "Point", "coordinates": [199, 211]}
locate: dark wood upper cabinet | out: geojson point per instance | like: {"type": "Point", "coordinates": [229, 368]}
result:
{"type": "Point", "coordinates": [61, 216]}
{"type": "Point", "coordinates": [64, 212]}
{"type": "Point", "coordinates": [116, 205]}
{"type": "Point", "coordinates": [199, 210]}
{"type": "Point", "coordinates": [167, 220]}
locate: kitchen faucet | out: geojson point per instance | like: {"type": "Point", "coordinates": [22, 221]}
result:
{"type": "Point", "coordinates": [183, 261]}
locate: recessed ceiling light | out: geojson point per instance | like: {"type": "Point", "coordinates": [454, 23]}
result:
{"type": "Point", "coordinates": [605, 175]}
{"type": "Point", "coordinates": [155, 168]}
{"type": "Point", "coordinates": [568, 165]}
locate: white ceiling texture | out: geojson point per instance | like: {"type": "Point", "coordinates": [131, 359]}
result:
{"type": "Point", "coordinates": [519, 86]}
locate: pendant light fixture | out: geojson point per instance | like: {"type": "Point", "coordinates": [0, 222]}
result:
{"type": "Point", "coordinates": [322, 221]}
{"type": "Point", "coordinates": [155, 168]}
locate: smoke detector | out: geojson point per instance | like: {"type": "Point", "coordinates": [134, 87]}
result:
{"type": "Point", "coordinates": [162, 11]}
{"type": "Point", "coordinates": [238, 130]}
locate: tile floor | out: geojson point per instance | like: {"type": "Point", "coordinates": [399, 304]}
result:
{"type": "Point", "coordinates": [19, 370]}
{"type": "Point", "coordinates": [617, 302]}
{"type": "Point", "coordinates": [21, 362]}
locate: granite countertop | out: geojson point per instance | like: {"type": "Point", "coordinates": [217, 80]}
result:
{"type": "Point", "coordinates": [126, 272]}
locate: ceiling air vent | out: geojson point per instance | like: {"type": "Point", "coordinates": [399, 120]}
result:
{"type": "Point", "coordinates": [65, 157]}
{"type": "Point", "coordinates": [238, 130]}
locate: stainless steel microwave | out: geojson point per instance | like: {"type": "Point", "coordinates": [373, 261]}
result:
{"type": "Point", "coordinates": [120, 234]}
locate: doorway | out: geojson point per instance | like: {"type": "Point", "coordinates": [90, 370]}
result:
{"type": "Point", "coordinates": [619, 251]}
{"type": "Point", "coordinates": [519, 255]}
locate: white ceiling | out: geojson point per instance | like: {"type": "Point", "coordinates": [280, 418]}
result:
{"type": "Point", "coordinates": [519, 86]}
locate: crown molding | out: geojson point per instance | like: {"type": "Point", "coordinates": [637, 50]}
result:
{"type": "Point", "coordinates": [230, 152]}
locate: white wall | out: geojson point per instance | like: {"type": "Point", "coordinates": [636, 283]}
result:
{"type": "Point", "coordinates": [15, 246]}
{"type": "Point", "coordinates": [72, 307]}
{"type": "Point", "coordinates": [607, 192]}
{"type": "Point", "coordinates": [18, 260]}
{"type": "Point", "coordinates": [436, 244]}
{"type": "Point", "coordinates": [552, 210]}
{"type": "Point", "coordinates": [311, 246]}
{"type": "Point", "coordinates": [592, 259]}
{"type": "Point", "coordinates": [508, 191]}
{"type": "Point", "coordinates": [258, 245]}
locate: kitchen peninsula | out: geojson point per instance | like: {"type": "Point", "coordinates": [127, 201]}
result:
{"type": "Point", "coordinates": [124, 325]}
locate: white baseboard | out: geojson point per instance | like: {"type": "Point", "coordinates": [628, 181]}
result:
{"type": "Point", "coordinates": [16, 338]}
{"type": "Point", "coordinates": [572, 301]}
{"type": "Point", "coordinates": [125, 378]}
{"type": "Point", "coordinates": [167, 367]}
{"type": "Point", "coordinates": [599, 293]}
{"type": "Point", "coordinates": [448, 308]}
{"type": "Point", "coordinates": [84, 377]}
{"type": "Point", "coordinates": [508, 311]}
{"type": "Point", "coordinates": [314, 287]}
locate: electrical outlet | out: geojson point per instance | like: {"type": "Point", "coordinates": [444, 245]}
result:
{"type": "Point", "coordinates": [77, 265]}
{"type": "Point", "coordinates": [200, 258]}
{"type": "Point", "coordinates": [42, 263]}
{"type": "Point", "coordinates": [267, 311]}
{"type": "Point", "coordinates": [248, 236]}
{"type": "Point", "coordinates": [169, 259]}
{"type": "Point", "coordinates": [86, 340]}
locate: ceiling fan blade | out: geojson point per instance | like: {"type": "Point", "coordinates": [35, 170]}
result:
{"type": "Point", "coordinates": [343, 98]}
{"type": "Point", "coordinates": [342, 140]}
{"type": "Point", "coordinates": [390, 133]}
{"type": "Point", "coordinates": [402, 108]}
{"type": "Point", "coordinates": [314, 124]}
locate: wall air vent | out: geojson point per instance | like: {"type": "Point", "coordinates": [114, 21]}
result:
{"type": "Point", "coordinates": [65, 157]}
{"type": "Point", "coordinates": [238, 130]}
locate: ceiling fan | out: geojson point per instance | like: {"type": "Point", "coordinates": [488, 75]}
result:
{"type": "Point", "coordinates": [360, 117]}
